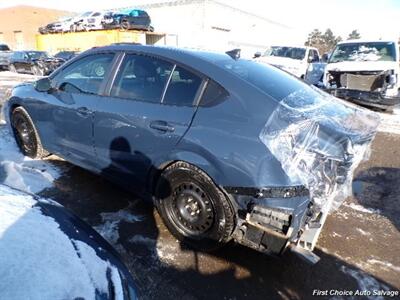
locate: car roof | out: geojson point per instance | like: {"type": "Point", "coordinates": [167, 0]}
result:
{"type": "Point", "coordinates": [178, 54]}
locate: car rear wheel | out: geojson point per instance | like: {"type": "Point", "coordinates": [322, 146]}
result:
{"type": "Point", "coordinates": [193, 208]}
{"type": "Point", "coordinates": [26, 134]}
{"type": "Point", "coordinates": [36, 70]}
{"type": "Point", "coordinates": [12, 68]}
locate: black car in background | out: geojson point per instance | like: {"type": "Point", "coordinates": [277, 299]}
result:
{"type": "Point", "coordinates": [38, 63]}
{"type": "Point", "coordinates": [128, 19]}
{"type": "Point", "coordinates": [66, 55]}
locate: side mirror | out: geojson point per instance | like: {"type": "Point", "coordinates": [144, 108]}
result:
{"type": "Point", "coordinates": [257, 54]}
{"type": "Point", "coordinates": [43, 85]}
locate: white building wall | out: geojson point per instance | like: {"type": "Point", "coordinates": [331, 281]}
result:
{"type": "Point", "coordinates": [210, 25]}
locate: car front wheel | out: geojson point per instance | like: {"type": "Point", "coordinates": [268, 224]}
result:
{"type": "Point", "coordinates": [193, 208]}
{"type": "Point", "coordinates": [26, 135]}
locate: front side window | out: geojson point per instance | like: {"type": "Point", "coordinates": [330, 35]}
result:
{"type": "Point", "coordinates": [85, 75]}
{"type": "Point", "coordinates": [371, 51]}
{"type": "Point", "coordinates": [141, 78]}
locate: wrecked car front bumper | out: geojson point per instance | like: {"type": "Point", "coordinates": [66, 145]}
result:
{"type": "Point", "coordinates": [366, 98]}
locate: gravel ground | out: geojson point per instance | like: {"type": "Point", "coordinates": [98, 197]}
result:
{"type": "Point", "coordinates": [359, 245]}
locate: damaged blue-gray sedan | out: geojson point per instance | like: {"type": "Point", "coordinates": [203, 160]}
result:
{"type": "Point", "coordinates": [226, 148]}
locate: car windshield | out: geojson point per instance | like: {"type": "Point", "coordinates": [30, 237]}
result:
{"type": "Point", "coordinates": [37, 54]}
{"type": "Point", "coordinates": [374, 51]}
{"type": "Point", "coordinates": [4, 48]}
{"type": "Point", "coordinates": [290, 52]}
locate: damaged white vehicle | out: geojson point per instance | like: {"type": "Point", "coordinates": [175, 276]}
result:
{"type": "Point", "coordinates": [365, 72]}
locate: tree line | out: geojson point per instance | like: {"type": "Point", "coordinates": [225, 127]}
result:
{"type": "Point", "coordinates": [326, 41]}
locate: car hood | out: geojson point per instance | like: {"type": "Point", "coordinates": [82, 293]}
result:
{"type": "Point", "coordinates": [319, 140]}
{"type": "Point", "coordinates": [279, 61]}
{"type": "Point", "coordinates": [48, 253]}
{"type": "Point", "coordinates": [352, 66]}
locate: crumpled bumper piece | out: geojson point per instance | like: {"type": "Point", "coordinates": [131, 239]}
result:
{"type": "Point", "coordinates": [373, 99]}
{"type": "Point", "coordinates": [319, 140]}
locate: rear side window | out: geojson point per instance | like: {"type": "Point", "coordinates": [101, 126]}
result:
{"type": "Point", "coordinates": [85, 75]}
{"type": "Point", "coordinates": [141, 78]}
{"type": "Point", "coordinates": [213, 94]}
{"type": "Point", "coordinates": [182, 88]}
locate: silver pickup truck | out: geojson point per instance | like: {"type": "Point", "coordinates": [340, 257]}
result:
{"type": "Point", "coordinates": [5, 53]}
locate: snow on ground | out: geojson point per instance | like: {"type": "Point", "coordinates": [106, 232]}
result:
{"type": "Point", "coordinates": [366, 283]}
{"type": "Point", "coordinates": [390, 123]}
{"type": "Point", "coordinates": [33, 266]}
{"type": "Point", "coordinates": [21, 172]}
{"type": "Point", "coordinates": [361, 208]}
{"type": "Point", "coordinates": [109, 228]}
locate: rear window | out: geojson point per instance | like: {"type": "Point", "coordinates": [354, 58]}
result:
{"type": "Point", "coordinates": [272, 81]}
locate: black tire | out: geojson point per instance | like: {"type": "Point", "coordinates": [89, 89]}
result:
{"type": "Point", "coordinates": [193, 208]}
{"type": "Point", "coordinates": [26, 135]}
{"type": "Point", "coordinates": [37, 71]}
{"type": "Point", "coordinates": [125, 25]}
{"type": "Point", "coordinates": [12, 68]}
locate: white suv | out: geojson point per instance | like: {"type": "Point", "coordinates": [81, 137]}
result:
{"type": "Point", "coordinates": [294, 60]}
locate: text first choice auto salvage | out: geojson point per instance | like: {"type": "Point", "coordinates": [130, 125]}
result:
{"type": "Point", "coordinates": [335, 292]}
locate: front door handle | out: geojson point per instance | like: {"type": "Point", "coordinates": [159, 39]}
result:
{"type": "Point", "coordinates": [162, 126]}
{"type": "Point", "coordinates": [84, 111]}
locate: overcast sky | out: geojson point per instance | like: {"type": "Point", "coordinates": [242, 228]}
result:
{"type": "Point", "coordinates": [373, 18]}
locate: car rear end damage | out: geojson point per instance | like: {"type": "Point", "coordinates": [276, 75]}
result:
{"type": "Point", "coordinates": [319, 141]}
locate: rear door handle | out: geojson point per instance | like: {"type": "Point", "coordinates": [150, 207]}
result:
{"type": "Point", "coordinates": [84, 111]}
{"type": "Point", "coordinates": [162, 126]}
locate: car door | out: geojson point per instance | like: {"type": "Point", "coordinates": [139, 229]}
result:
{"type": "Point", "coordinates": [133, 131]}
{"type": "Point", "coordinates": [77, 88]}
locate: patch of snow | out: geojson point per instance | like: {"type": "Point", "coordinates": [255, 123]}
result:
{"type": "Point", "coordinates": [365, 282]}
{"type": "Point", "coordinates": [21, 172]}
{"type": "Point", "coordinates": [362, 231]}
{"type": "Point", "coordinates": [385, 264]}
{"type": "Point", "coordinates": [363, 209]}
{"type": "Point", "coordinates": [33, 265]}
{"type": "Point", "coordinates": [166, 251]}
{"type": "Point", "coordinates": [110, 226]}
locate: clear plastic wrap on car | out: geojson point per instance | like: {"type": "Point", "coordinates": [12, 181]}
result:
{"type": "Point", "coordinates": [319, 141]}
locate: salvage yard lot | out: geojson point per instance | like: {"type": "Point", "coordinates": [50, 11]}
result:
{"type": "Point", "coordinates": [359, 246]}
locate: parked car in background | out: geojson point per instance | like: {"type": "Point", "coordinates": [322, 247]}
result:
{"type": "Point", "coordinates": [264, 172]}
{"type": "Point", "coordinates": [5, 54]}
{"type": "Point", "coordinates": [66, 55]}
{"type": "Point", "coordinates": [91, 21]}
{"type": "Point", "coordinates": [365, 72]}
{"type": "Point", "coordinates": [34, 62]}
{"type": "Point", "coordinates": [46, 253]}
{"type": "Point", "coordinates": [128, 19]}
{"type": "Point", "coordinates": [63, 25]}
{"type": "Point", "coordinates": [295, 60]}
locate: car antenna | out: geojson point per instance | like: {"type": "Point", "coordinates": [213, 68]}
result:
{"type": "Point", "coordinates": [235, 53]}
